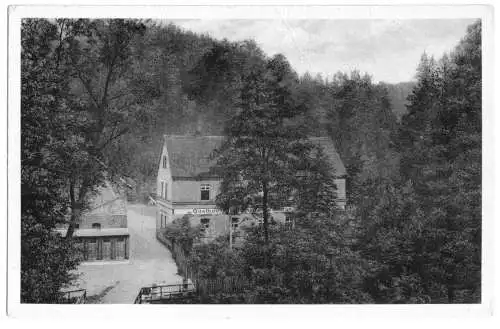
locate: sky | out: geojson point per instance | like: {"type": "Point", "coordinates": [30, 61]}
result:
{"type": "Point", "coordinates": [388, 50]}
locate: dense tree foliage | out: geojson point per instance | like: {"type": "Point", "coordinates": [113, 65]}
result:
{"type": "Point", "coordinates": [74, 85]}
{"type": "Point", "coordinates": [426, 230]}
{"type": "Point", "coordinates": [413, 233]}
{"type": "Point", "coordinates": [263, 151]}
{"type": "Point", "coordinates": [398, 94]}
{"type": "Point", "coordinates": [98, 57]}
{"type": "Point", "coordinates": [182, 233]}
{"type": "Point", "coordinates": [47, 151]}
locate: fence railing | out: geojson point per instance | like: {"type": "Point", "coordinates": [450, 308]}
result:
{"type": "Point", "coordinates": [157, 294]}
{"type": "Point", "coordinates": [74, 297]}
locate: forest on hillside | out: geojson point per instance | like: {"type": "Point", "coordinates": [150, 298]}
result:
{"type": "Point", "coordinates": [98, 95]}
{"type": "Point", "coordinates": [192, 81]}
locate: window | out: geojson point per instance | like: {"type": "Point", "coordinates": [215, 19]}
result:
{"type": "Point", "coordinates": [166, 190]}
{"type": "Point", "coordinates": [77, 226]}
{"type": "Point", "coordinates": [161, 220]}
{"type": "Point", "coordinates": [205, 192]}
{"type": "Point", "coordinates": [204, 223]}
{"type": "Point", "coordinates": [96, 226]}
{"type": "Point", "coordinates": [164, 161]}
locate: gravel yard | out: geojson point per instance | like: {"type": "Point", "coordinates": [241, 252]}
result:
{"type": "Point", "coordinates": [150, 263]}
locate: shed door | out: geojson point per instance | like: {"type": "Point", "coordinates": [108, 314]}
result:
{"type": "Point", "coordinates": [106, 249]}
{"type": "Point", "coordinates": [92, 249]}
{"type": "Point", "coordinates": [120, 248]}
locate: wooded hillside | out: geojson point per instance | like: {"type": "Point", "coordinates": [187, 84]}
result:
{"type": "Point", "coordinates": [192, 81]}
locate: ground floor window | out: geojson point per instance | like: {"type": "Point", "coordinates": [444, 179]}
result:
{"type": "Point", "coordinates": [204, 224]}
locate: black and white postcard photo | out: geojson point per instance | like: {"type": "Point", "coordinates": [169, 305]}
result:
{"type": "Point", "coordinates": [249, 156]}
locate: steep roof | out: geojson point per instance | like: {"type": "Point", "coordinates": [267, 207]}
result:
{"type": "Point", "coordinates": [189, 156]}
{"type": "Point", "coordinates": [331, 152]}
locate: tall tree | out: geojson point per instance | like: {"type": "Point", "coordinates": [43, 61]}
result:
{"type": "Point", "coordinates": [259, 160]}
{"type": "Point", "coordinates": [97, 53]}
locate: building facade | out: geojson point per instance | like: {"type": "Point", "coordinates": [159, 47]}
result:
{"type": "Point", "coordinates": [187, 185]}
{"type": "Point", "coordinates": [102, 233]}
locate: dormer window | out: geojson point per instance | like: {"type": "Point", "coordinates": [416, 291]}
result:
{"type": "Point", "coordinates": [96, 226]}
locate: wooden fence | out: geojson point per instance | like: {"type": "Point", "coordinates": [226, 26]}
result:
{"type": "Point", "coordinates": [236, 284]}
{"type": "Point", "coordinates": [203, 286]}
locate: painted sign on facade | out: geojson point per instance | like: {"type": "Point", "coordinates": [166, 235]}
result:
{"type": "Point", "coordinates": [198, 211]}
{"type": "Point", "coordinates": [207, 211]}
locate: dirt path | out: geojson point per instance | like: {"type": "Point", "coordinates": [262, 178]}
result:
{"type": "Point", "coordinates": [150, 263]}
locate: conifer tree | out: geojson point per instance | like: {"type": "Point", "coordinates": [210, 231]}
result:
{"type": "Point", "coordinates": [259, 160]}
{"type": "Point", "coordinates": [433, 243]}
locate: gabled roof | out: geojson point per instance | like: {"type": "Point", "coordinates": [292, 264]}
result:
{"type": "Point", "coordinates": [107, 201]}
{"type": "Point", "coordinates": [329, 149]}
{"type": "Point", "coordinates": [189, 156]}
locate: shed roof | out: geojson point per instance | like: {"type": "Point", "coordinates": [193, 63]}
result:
{"type": "Point", "coordinates": [119, 231]}
{"type": "Point", "coordinates": [190, 156]}
{"type": "Point", "coordinates": [108, 201]}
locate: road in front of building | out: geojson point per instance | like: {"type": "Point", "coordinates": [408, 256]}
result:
{"type": "Point", "coordinates": [149, 263]}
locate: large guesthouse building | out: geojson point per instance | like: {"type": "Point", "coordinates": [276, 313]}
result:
{"type": "Point", "coordinates": [187, 184]}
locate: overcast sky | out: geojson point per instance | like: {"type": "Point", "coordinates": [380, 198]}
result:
{"type": "Point", "coordinates": [389, 50]}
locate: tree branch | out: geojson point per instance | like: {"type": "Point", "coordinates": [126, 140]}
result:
{"type": "Point", "coordinates": [113, 137]}
{"type": "Point", "coordinates": [85, 83]}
